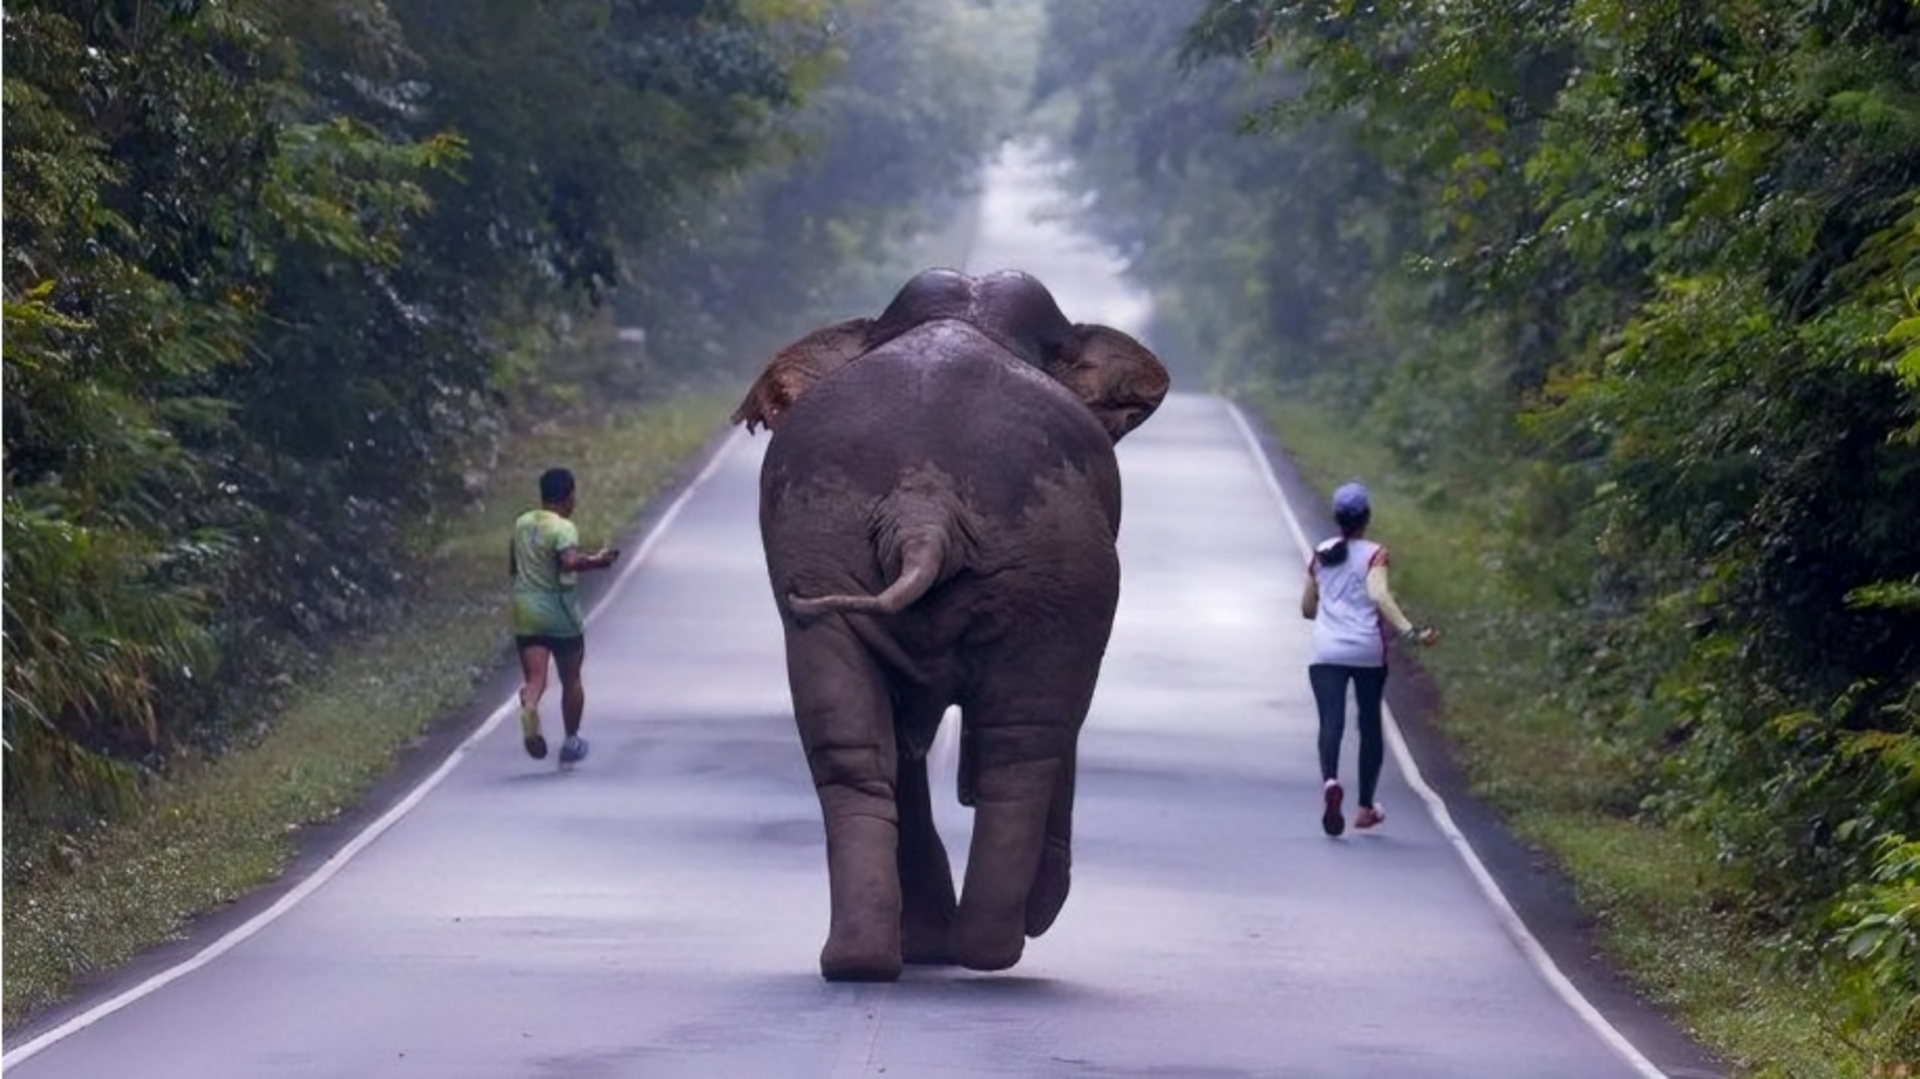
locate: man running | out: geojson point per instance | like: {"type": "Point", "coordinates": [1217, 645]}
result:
{"type": "Point", "coordinates": [545, 559]}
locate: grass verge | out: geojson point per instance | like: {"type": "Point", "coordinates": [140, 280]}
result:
{"type": "Point", "coordinates": [219, 829]}
{"type": "Point", "coordinates": [1652, 889]}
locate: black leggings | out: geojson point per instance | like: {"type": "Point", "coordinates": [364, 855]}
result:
{"type": "Point", "coordinates": [1330, 694]}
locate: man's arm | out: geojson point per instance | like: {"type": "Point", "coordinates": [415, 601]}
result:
{"type": "Point", "coordinates": [573, 559]}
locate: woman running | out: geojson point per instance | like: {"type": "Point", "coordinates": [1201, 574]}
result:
{"type": "Point", "coordinates": [1351, 606]}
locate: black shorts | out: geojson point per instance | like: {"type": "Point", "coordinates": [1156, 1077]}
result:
{"type": "Point", "coordinates": [561, 647]}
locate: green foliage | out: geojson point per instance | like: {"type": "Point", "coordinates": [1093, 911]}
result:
{"type": "Point", "coordinates": [1897, 250]}
{"type": "Point", "coordinates": [885, 151]}
{"type": "Point", "coordinates": [116, 319]}
{"type": "Point", "coordinates": [1876, 945]}
{"type": "Point", "coordinates": [588, 123]}
{"type": "Point", "coordinates": [281, 278]}
{"type": "Point", "coordinates": [338, 186]}
{"type": "Point", "coordinates": [1639, 280]}
{"type": "Point", "coordinates": [1747, 424]}
{"type": "Point", "coordinates": [1147, 138]}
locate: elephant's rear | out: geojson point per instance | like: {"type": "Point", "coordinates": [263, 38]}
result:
{"type": "Point", "coordinates": [1013, 469]}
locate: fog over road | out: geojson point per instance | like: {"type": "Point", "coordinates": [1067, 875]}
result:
{"type": "Point", "coordinates": [659, 911]}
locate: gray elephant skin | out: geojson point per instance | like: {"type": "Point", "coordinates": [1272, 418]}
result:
{"type": "Point", "coordinates": [939, 504]}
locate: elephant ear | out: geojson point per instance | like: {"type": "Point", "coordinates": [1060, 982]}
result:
{"type": "Point", "coordinates": [1119, 378]}
{"type": "Point", "coordinates": [797, 367]}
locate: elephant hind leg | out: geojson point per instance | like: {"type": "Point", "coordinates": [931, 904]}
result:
{"type": "Point", "coordinates": [1055, 875]}
{"type": "Point", "coordinates": [845, 718]}
{"type": "Point", "coordinates": [863, 933]}
{"type": "Point", "coordinates": [1009, 820]}
{"type": "Point", "coordinates": [926, 877]}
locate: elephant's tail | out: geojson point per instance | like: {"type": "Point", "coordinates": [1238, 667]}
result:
{"type": "Point", "coordinates": [921, 527]}
{"type": "Point", "coordinates": [923, 560]}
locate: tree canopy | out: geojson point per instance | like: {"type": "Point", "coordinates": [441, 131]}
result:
{"type": "Point", "coordinates": [1640, 280]}
{"type": "Point", "coordinates": [281, 274]}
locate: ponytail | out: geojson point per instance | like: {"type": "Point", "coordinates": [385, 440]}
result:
{"type": "Point", "coordinates": [1331, 552]}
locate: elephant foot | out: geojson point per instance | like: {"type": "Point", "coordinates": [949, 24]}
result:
{"type": "Point", "coordinates": [841, 963]}
{"type": "Point", "coordinates": [999, 958]}
{"type": "Point", "coordinates": [1050, 884]}
{"type": "Point", "coordinates": [982, 944]}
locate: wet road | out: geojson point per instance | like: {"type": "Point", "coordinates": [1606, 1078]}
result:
{"type": "Point", "coordinates": [658, 912]}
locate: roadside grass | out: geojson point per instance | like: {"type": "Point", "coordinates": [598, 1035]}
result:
{"type": "Point", "coordinates": [220, 828]}
{"type": "Point", "coordinates": [1653, 890]}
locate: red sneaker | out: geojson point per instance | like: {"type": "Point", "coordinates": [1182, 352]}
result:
{"type": "Point", "coordinates": [1331, 820]}
{"type": "Point", "coordinates": [1369, 817]}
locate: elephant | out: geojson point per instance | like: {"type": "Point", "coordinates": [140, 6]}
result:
{"type": "Point", "coordinates": [939, 503]}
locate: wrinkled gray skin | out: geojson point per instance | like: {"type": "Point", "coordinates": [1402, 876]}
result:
{"type": "Point", "coordinates": [939, 504]}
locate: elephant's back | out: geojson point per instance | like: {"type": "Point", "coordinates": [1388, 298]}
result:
{"type": "Point", "coordinates": [946, 397]}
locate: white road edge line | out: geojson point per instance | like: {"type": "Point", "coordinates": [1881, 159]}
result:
{"type": "Point", "coordinates": [373, 831]}
{"type": "Point", "coordinates": [1510, 919]}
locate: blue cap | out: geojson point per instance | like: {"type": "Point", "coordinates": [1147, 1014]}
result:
{"type": "Point", "coordinates": [1350, 499]}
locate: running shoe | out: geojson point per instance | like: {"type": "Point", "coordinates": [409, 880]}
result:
{"type": "Point", "coordinates": [1331, 820]}
{"type": "Point", "coordinates": [1369, 817]}
{"type": "Point", "coordinates": [573, 750]}
{"type": "Point", "coordinates": [530, 735]}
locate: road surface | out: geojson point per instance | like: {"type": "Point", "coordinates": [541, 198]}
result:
{"type": "Point", "coordinates": [658, 912]}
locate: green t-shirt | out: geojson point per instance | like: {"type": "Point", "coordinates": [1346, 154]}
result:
{"type": "Point", "coordinates": [545, 598]}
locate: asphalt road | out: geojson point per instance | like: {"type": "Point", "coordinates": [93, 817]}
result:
{"type": "Point", "coordinates": [658, 911]}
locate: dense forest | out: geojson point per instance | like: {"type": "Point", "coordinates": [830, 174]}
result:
{"type": "Point", "coordinates": [282, 276]}
{"type": "Point", "coordinates": [1637, 284]}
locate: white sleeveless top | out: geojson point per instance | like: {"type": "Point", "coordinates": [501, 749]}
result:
{"type": "Point", "coordinates": [1347, 628]}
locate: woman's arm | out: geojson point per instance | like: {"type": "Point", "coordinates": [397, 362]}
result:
{"type": "Point", "coordinates": [1382, 596]}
